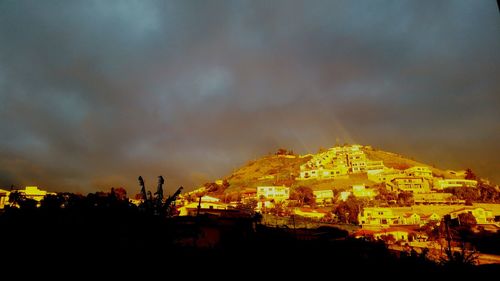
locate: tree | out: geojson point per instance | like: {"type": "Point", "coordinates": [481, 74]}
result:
{"type": "Point", "coordinates": [304, 195]}
{"type": "Point", "coordinates": [284, 151]}
{"type": "Point", "coordinates": [211, 187]}
{"type": "Point", "coordinates": [384, 195]}
{"type": "Point", "coordinates": [405, 198]}
{"type": "Point", "coordinates": [488, 193]}
{"type": "Point", "coordinates": [121, 193]}
{"type": "Point", "coordinates": [469, 175]}
{"type": "Point", "coordinates": [467, 219]}
{"type": "Point", "coordinates": [348, 211]}
{"type": "Point", "coordinates": [225, 184]}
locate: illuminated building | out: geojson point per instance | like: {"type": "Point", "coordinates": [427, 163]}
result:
{"type": "Point", "coordinates": [419, 171]}
{"type": "Point", "coordinates": [278, 193]}
{"type": "Point", "coordinates": [323, 196]}
{"type": "Point", "coordinates": [442, 184]}
{"type": "Point", "coordinates": [481, 215]}
{"type": "Point", "coordinates": [411, 184]}
{"type": "Point", "coordinates": [4, 198]}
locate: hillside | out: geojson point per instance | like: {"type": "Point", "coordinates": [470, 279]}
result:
{"type": "Point", "coordinates": [284, 169]}
{"type": "Point", "coordinates": [400, 162]}
{"type": "Point", "coordinates": [268, 170]}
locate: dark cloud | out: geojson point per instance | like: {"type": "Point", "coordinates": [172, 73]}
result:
{"type": "Point", "coordinates": [95, 93]}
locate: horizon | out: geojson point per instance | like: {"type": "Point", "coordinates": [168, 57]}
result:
{"type": "Point", "coordinates": [93, 94]}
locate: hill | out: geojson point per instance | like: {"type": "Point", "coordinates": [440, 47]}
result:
{"type": "Point", "coordinates": [268, 170]}
{"type": "Point", "coordinates": [284, 170]}
{"type": "Point", "coordinates": [400, 162]}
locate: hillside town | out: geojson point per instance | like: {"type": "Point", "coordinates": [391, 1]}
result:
{"type": "Point", "coordinates": [400, 206]}
{"type": "Point", "coordinates": [342, 187]}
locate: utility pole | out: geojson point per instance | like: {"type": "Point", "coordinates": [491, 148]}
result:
{"type": "Point", "coordinates": [199, 207]}
{"type": "Point", "coordinates": [447, 219]}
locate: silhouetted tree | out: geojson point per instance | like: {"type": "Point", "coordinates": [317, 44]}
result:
{"type": "Point", "coordinates": [469, 175]}
{"type": "Point", "coordinates": [121, 193]}
{"type": "Point", "coordinates": [225, 184]}
{"type": "Point", "coordinates": [467, 219]}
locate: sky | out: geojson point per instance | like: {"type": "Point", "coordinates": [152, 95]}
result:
{"type": "Point", "coordinates": [95, 93]}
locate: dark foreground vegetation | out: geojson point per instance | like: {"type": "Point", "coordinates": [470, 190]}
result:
{"type": "Point", "coordinates": [90, 237]}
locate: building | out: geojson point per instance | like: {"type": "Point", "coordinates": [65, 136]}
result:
{"type": "Point", "coordinates": [419, 171]}
{"type": "Point", "coordinates": [356, 161]}
{"type": "Point", "coordinates": [207, 198]}
{"type": "Point", "coordinates": [344, 195]}
{"type": "Point", "coordinates": [409, 219]}
{"type": "Point", "coordinates": [323, 173]}
{"type": "Point", "coordinates": [377, 216]}
{"type": "Point", "coordinates": [4, 198]}
{"type": "Point", "coordinates": [30, 192]}
{"type": "Point", "coordinates": [338, 161]}
{"type": "Point", "coordinates": [411, 184]}
{"type": "Point", "coordinates": [446, 183]}
{"type": "Point", "coordinates": [361, 191]}
{"type": "Point", "coordinates": [430, 218]}
{"type": "Point", "coordinates": [373, 167]}
{"type": "Point", "coordinates": [385, 175]}
{"type": "Point", "coordinates": [278, 193]}
{"type": "Point", "coordinates": [398, 233]}
{"type": "Point", "coordinates": [191, 209]}
{"type": "Point", "coordinates": [457, 174]}
{"type": "Point", "coordinates": [323, 196]}
{"type": "Point", "coordinates": [481, 215]}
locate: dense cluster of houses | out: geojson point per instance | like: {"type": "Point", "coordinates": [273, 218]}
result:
{"type": "Point", "coordinates": [339, 162]}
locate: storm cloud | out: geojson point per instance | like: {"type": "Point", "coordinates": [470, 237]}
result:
{"type": "Point", "coordinates": [96, 93]}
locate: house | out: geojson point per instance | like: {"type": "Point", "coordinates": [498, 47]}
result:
{"type": "Point", "coordinates": [481, 215]}
{"type": "Point", "coordinates": [207, 198]}
{"type": "Point", "coordinates": [344, 195]}
{"type": "Point", "coordinates": [419, 171]}
{"type": "Point", "coordinates": [409, 219]}
{"type": "Point", "coordinates": [356, 161]}
{"type": "Point", "coordinates": [458, 174]}
{"type": "Point", "coordinates": [278, 193]}
{"type": "Point", "coordinates": [430, 218]}
{"type": "Point", "coordinates": [446, 183]}
{"type": "Point", "coordinates": [191, 209]}
{"type": "Point", "coordinates": [323, 196]}
{"type": "Point", "coordinates": [377, 216]}
{"type": "Point", "coordinates": [385, 175]}
{"type": "Point", "coordinates": [411, 184]}
{"type": "Point", "coordinates": [374, 167]}
{"type": "Point", "coordinates": [248, 194]}
{"type": "Point", "coordinates": [32, 192]}
{"type": "Point", "coordinates": [398, 233]}
{"type": "Point", "coordinates": [361, 191]}
{"type": "Point", "coordinates": [4, 198]}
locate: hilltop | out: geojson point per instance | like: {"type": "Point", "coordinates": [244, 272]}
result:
{"type": "Point", "coordinates": [284, 168]}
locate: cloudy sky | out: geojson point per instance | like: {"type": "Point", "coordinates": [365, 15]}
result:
{"type": "Point", "coordinates": [96, 93]}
